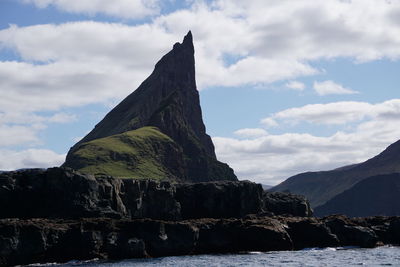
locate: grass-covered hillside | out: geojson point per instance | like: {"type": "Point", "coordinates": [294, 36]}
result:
{"type": "Point", "coordinates": [141, 153]}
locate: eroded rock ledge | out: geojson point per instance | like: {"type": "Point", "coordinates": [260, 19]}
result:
{"type": "Point", "coordinates": [44, 240]}
{"type": "Point", "coordinates": [65, 193]}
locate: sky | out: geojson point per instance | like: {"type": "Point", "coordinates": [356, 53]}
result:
{"type": "Point", "coordinates": [285, 86]}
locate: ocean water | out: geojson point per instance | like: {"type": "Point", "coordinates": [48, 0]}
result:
{"type": "Point", "coordinates": [381, 256]}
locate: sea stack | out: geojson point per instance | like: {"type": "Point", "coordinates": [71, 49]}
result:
{"type": "Point", "coordinates": [157, 131]}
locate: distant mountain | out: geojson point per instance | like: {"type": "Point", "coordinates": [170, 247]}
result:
{"type": "Point", "coordinates": [170, 139]}
{"type": "Point", "coordinates": [376, 195]}
{"type": "Point", "coordinates": [320, 187]}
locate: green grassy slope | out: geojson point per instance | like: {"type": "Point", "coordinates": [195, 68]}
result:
{"type": "Point", "coordinates": [142, 153]}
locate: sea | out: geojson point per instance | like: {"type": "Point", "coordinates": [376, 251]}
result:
{"type": "Point", "coordinates": [344, 256]}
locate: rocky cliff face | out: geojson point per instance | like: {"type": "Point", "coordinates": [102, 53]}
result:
{"type": "Point", "coordinates": [286, 204]}
{"type": "Point", "coordinates": [42, 240]}
{"type": "Point", "coordinates": [320, 187]}
{"type": "Point", "coordinates": [168, 100]}
{"type": "Point", "coordinates": [65, 193]}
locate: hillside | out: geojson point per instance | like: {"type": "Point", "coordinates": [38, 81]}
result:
{"type": "Point", "coordinates": [168, 100]}
{"type": "Point", "coordinates": [141, 153]}
{"type": "Point", "coordinates": [376, 195]}
{"type": "Point", "coordinates": [320, 187]}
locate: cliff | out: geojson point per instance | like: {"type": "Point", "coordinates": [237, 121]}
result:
{"type": "Point", "coordinates": [167, 102]}
{"type": "Point", "coordinates": [65, 193]}
{"type": "Point", "coordinates": [42, 240]}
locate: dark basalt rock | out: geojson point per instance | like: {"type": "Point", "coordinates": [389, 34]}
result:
{"type": "Point", "coordinates": [43, 240]}
{"type": "Point", "coordinates": [219, 199]}
{"type": "Point", "coordinates": [310, 232]}
{"type": "Point", "coordinates": [349, 232]}
{"type": "Point", "coordinates": [285, 203]}
{"type": "Point", "coordinates": [168, 99]}
{"type": "Point", "coordinates": [65, 193]}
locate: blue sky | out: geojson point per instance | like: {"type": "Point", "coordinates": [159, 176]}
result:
{"type": "Point", "coordinates": [285, 86]}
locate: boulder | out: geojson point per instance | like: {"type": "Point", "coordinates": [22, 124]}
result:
{"type": "Point", "coordinates": [351, 234]}
{"type": "Point", "coordinates": [309, 233]}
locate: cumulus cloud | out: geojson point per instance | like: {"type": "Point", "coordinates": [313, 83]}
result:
{"type": "Point", "coordinates": [269, 122]}
{"type": "Point", "coordinates": [251, 132]}
{"type": "Point", "coordinates": [22, 128]}
{"type": "Point", "coordinates": [132, 9]}
{"type": "Point", "coordinates": [332, 88]}
{"type": "Point", "coordinates": [271, 158]}
{"type": "Point", "coordinates": [336, 112]}
{"type": "Point", "coordinates": [30, 158]}
{"type": "Point", "coordinates": [74, 64]}
{"type": "Point", "coordinates": [296, 85]}
{"type": "Point", "coordinates": [271, 47]}
{"type": "Point", "coordinates": [16, 135]}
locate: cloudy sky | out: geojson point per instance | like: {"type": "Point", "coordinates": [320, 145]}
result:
{"type": "Point", "coordinates": [285, 86]}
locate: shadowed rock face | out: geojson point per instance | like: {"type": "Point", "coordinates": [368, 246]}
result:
{"type": "Point", "coordinates": [168, 99]}
{"type": "Point", "coordinates": [285, 203]}
{"type": "Point", "coordinates": [64, 193]}
{"type": "Point", "coordinates": [43, 240]}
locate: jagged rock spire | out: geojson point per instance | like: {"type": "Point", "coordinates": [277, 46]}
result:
{"type": "Point", "coordinates": [168, 99]}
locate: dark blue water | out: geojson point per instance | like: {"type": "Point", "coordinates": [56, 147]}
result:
{"type": "Point", "coordinates": [381, 256]}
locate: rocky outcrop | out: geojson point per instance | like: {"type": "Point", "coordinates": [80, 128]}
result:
{"type": "Point", "coordinates": [377, 195]}
{"type": "Point", "coordinates": [219, 199]}
{"type": "Point", "coordinates": [169, 101]}
{"type": "Point", "coordinates": [280, 203]}
{"type": "Point", "coordinates": [65, 193]}
{"type": "Point", "coordinates": [320, 187]}
{"type": "Point", "coordinates": [43, 240]}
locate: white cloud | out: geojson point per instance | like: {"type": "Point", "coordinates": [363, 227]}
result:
{"type": "Point", "coordinates": [296, 85]}
{"type": "Point", "coordinates": [62, 118]}
{"type": "Point", "coordinates": [23, 128]}
{"type": "Point", "coordinates": [275, 46]}
{"type": "Point", "coordinates": [336, 113]}
{"type": "Point", "coordinates": [116, 8]}
{"type": "Point", "coordinates": [30, 158]}
{"type": "Point", "coordinates": [272, 158]}
{"type": "Point", "coordinates": [81, 63]}
{"type": "Point", "coordinates": [251, 132]}
{"type": "Point", "coordinates": [11, 135]}
{"type": "Point", "coordinates": [332, 88]}
{"type": "Point", "coordinates": [269, 122]}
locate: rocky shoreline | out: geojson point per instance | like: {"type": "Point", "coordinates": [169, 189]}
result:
{"type": "Point", "coordinates": [58, 215]}
{"type": "Point", "coordinates": [43, 240]}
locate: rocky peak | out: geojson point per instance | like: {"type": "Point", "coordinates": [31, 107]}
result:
{"type": "Point", "coordinates": [168, 99]}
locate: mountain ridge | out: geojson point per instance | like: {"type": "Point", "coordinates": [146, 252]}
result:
{"type": "Point", "coordinates": [320, 187]}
